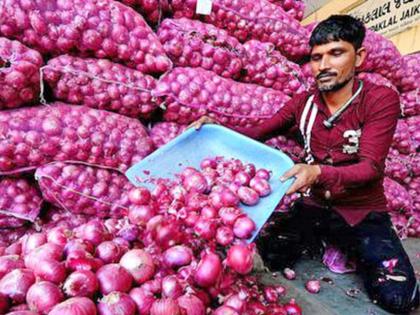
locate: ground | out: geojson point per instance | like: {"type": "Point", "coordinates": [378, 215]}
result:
{"type": "Point", "coordinates": [333, 300]}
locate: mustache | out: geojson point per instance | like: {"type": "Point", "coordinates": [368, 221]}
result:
{"type": "Point", "coordinates": [326, 74]}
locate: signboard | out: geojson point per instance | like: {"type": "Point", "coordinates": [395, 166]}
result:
{"type": "Point", "coordinates": [388, 17]}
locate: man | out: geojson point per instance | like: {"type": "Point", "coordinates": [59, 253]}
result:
{"type": "Point", "coordinates": [347, 126]}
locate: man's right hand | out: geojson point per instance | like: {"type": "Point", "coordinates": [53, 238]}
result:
{"type": "Point", "coordinates": [202, 121]}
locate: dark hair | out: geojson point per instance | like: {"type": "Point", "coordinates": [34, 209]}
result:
{"type": "Point", "coordinates": [339, 27]}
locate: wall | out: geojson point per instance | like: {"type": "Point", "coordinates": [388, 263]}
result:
{"type": "Point", "coordinates": [407, 41]}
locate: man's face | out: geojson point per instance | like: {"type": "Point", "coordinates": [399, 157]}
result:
{"type": "Point", "coordinates": [333, 64]}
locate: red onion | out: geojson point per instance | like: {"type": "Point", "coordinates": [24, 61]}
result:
{"type": "Point", "coordinates": [177, 256]}
{"type": "Point", "coordinates": [16, 284]}
{"type": "Point", "coordinates": [139, 263]}
{"type": "Point", "coordinates": [289, 274]}
{"type": "Point", "coordinates": [205, 228]}
{"type": "Point", "coordinates": [165, 306]}
{"type": "Point", "coordinates": [223, 197]}
{"type": "Point", "coordinates": [229, 215]}
{"type": "Point", "coordinates": [47, 251]}
{"type": "Point", "coordinates": [168, 233]}
{"type": "Point", "coordinates": [139, 196]}
{"type": "Point", "coordinates": [116, 303]}
{"type": "Point", "coordinates": [292, 308]}
{"type": "Point", "coordinates": [191, 305]}
{"type": "Point", "coordinates": [50, 270]}
{"type": "Point", "coordinates": [224, 235]}
{"type": "Point", "coordinates": [113, 277]}
{"type": "Point", "coordinates": [74, 306]}
{"type": "Point", "coordinates": [281, 290]}
{"type": "Point", "coordinates": [242, 178]}
{"type": "Point", "coordinates": [208, 270]}
{"type": "Point", "coordinates": [243, 227]}
{"type": "Point", "coordinates": [140, 215]}
{"type": "Point", "coordinates": [240, 258]}
{"type": "Point", "coordinates": [237, 301]}
{"type": "Point", "coordinates": [248, 196]}
{"type": "Point", "coordinates": [191, 219]}
{"type": "Point", "coordinates": [270, 294]}
{"type": "Point", "coordinates": [171, 288]}
{"type": "Point", "coordinates": [33, 241]}
{"type": "Point", "coordinates": [94, 231]}
{"type": "Point", "coordinates": [144, 300]}
{"type": "Point", "coordinates": [108, 252]}
{"type": "Point", "coordinates": [83, 261]}
{"type": "Point", "coordinates": [208, 212]}
{"type": "Point", "coordinates": [263, 173]}
{"type": "Point", "coordinates": [9, 263]}
{"type": "Point", "coordinates": [313, 286]}
{"type": "Point", "coordinates": [82, 283]}
{"type": "Point", "coordinates": [59, 235]}
{"type": "Point", "coordinates": [195, 182]}
{"type": "Point", "coordinates": [225, 310]}
{"type": "Point", "coordinates": [43, 296]}
{"type": "Point", "coordinates": [261, 186]}
{"type": "Point", "coordinates": [78, 245]}
{"type": "Point", "coordinates": [14, 249]}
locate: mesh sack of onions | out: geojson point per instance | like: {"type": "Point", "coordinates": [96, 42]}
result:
{"type": "Point", "coordinates": [265, 66]}
{"type": "Point", "coordinates": [192, 43]}
{"type": "Point", "coordinates": [402, 139]}
{"type": "Point", "coordinates": [38, 135]}
{"type": "Point", "coordinates": [377, 79]}
{"type": "Point", "coordinates": [397, 196]}
{"type": "Point", "coordinates": [382, 57]}
{"type": "Point", "coordinates": [410, 73]}
{"type": "Point", "coordinates": [57, 217]}
{"type": "Point", "coordinates": [193, 92]}
{"type": "Point", "coordinates": [250, 19]}
{"type": "Point", "coordinates": [308, 76]}
{"type": "Point", "coordinates": [397, 167]}
{"type": "Point", "coordinates": [288, 145]}
{"type": "Point", "coordinates": [83, 189]}
{"type": "Point", "coordinates": [410, 102]}
{"type": "Point", "coordinates": [152, 10]}
{"type": "Point", "coordinates": [295, 8]}
{"type": "Point", "coordinates": [413, 188]}
{"type": "Point", "coordinates": [163, 132]}
{"type": "Point", "coordinates": [20, 201]}
{"type": "Point", "coordinates": [101, 84]}
{"type": "Point", "coordinates": [19, 74]}
{"type": "Point", "coordinates": [414, 130]}
{"type": "Point", "coordinates": [101, 29]}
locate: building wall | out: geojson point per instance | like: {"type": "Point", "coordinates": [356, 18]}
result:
{"type": "Point", "coordinates": [407, 42]}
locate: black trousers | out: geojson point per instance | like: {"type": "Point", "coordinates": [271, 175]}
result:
{"type": "Point", "coordinates": [371, 242]}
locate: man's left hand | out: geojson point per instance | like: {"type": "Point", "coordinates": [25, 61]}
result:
{"type": "Point", "coordinates": [305, 174]}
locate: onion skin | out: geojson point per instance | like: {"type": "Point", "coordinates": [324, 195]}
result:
{"type": "Point", "coordinates": [113, 277]}
{"type": "Point", "coordinates": [191, 304]}
{"type": "Point", "coordinates": [208, 270]}
{"type": "Point", "coordinates": [116, 303]}
{"type": "Point", "coordinates": [72, 306]}
{"type": "Point", "coordinates": [313, 286]}
{"type": "Point", "coordinates": [165, 306]}
{"type": "Point", "coordinates": [140, 265]}
{"type": "Point", "coordinates": [144, 300]}
{"type": "Point", "coordinates": [16, 284]}
{"type": "Point", "coordinates": [177, 256]}
{"type": "Point", "coordinates": [43, 296]}
{"type": "Point", "coordinates": [225, 310]}
{"type": "Point", "coordinates": [81, 283]}
{"type": "Point", "coordinates": [240, 258]}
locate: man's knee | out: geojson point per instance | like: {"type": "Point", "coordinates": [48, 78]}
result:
{"type": "Point", "coordinates": [397, 299]}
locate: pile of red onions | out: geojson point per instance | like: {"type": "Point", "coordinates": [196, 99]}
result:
{"type": "Point", "coordinates": [181, 250]}
{"type": "Point", "coordinates": [163, 132]}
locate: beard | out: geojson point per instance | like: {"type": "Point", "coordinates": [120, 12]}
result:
{"type": "Point", "coordinates": [334, 86]}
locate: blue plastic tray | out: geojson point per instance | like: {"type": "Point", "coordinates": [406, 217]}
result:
{"type": "Point", "coordinates": [192, 146]}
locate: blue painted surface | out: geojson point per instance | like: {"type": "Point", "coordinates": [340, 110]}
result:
{"type": "Point", "coordinates": [192, 146]}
